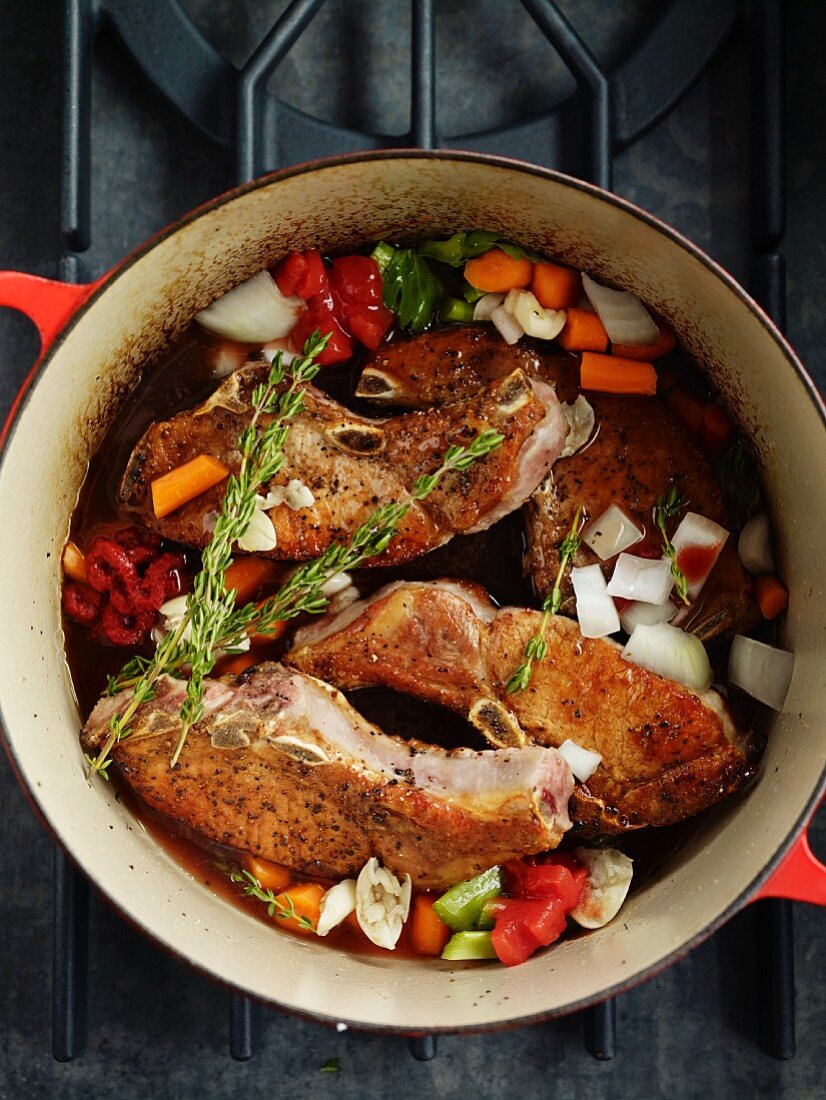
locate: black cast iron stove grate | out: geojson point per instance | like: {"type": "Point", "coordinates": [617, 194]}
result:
{"type": "Point", "coordinates": [580, 135]}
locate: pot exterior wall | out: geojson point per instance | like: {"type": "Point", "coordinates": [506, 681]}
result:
{"type": "Point", "coordinates": [336, 207]}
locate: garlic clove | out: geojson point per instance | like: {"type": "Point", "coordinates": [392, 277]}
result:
{"type": "Point", "coordinates": [336, 905]}
{"type": "Point", "coordinates": [609, 877]}
{"type": "Point", "coordinates": [382, 904]}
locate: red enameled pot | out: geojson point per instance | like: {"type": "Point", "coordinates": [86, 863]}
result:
{"type": "Point", "coordinates": [95, 340]}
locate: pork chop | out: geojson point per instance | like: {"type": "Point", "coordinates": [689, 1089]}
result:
{"type": "Point", "coordinates": [282, 766]}
{"type": "Point", "coordinates": [667, 752]}
{"type": "Point", "coordinates": [351, 464]}
{"type": "Point", "coordinates": [638, 451]}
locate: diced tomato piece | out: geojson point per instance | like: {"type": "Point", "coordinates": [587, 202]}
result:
{"type": "Point", "coordinates": [301, 273]}
{"type": "Point", "coordinates": [371, 326]}
{"type": "Point", "coordinates": [289, 272]}
{"type": "Point", "coordinates": [321, 314]}
{"type": "Point", "coordinates": [356, 282]}
{"type": "Point", "coordinates": [524, 925]}
{"type": "Point", "coordinates": [561, 877]}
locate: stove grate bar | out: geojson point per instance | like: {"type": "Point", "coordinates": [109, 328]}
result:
{"type": "Point", "coordinates": [600, 1030]}
{"type": "Point", "coordinates": [70, 949]}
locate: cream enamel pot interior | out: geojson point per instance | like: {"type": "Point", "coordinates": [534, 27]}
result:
{"type": "Point", "coordinates": [103, 336]}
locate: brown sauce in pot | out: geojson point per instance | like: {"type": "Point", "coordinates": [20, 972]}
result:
{"type": "Point", "coordinates": [181, 378]}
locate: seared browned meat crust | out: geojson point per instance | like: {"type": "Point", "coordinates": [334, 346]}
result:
{"type": "Point", "coordinates": [352, 464]}
{"type": "Point", "coordinates": [667, 753]}
{"type": "Point", "coordinates": [639, 449]}
{"type": "Point", "coordinates": [283, 767]}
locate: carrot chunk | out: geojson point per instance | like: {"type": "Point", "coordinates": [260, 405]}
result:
{"type": "Point", "coordinates": [772, 596]}
{"type": "Point", "coordinates": [304, 899]}
{"type": "Point", "coordinates": [186, 482]}
{"type": "Point", "coordinates": [688, 408]}
{"type": "Point", "coordinates": [428, 934]}
{"type": "Point", "coordinates": [609, 374]}
{"type": "Point", "coordinates": [496, 272]}
{"type": "Point", "coordinates": [555, 286]}
{"type": "Point", "coordinates": [247, 575]}
{"type": "Point", "coordinates": [648, 352]}
{"type": "Point", "coordinates": [74, 562]}
{"type": "Point", "coordinates": [715, 430]}
{"type": "Point", "coordinates": [583, 332]}
{"type": "Point", "coordinates": [272, 876]}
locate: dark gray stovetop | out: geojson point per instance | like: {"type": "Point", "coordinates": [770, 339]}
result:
{"type": "Point", "coordinates": [156, 1029]}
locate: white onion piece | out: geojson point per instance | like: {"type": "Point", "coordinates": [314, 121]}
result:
{"type": "Point", "coordinates": [485, 306]}
{"type": "Point", "coordinates": [671, 653]}
{"type": "Point", "coordinates": [336, 906]}
{"type": "Point", "coordinates": [582, 762]}
{"type": "Point", "coordinates": [507, 326]}
{"type": "Point", "coordinates": [253, 312]}
{"type": "Point", "coordinates": [541, 323]}
{"type": "Point", "coordinates": [755, 547]}
{"type": "Point", "coordinates": [581, 419]}
{"type": "Point", "coordinates": [647, 613]}
{"type": "Point", "coordinates": [646, 580]}
{"type": "Point", "coordinates": [697, 530]}
{"type": "Point", "coordinates": [595, 609]}
{"type": "Point", "coordinates": [609, 876]}
{"type": "Point", "coordinates": [625, 318]}
{"type": "Point", "coordinates": [761, 670]}
{"type": "Point", "coordinates": [287, 354]}
{"type": "Point", "coordinates": [611, 533]}
{"type": "Point", "coordinates": [226, 358]}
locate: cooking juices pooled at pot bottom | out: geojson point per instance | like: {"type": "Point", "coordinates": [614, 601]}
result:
{"type": "Point", "coordinates": [478, 422]}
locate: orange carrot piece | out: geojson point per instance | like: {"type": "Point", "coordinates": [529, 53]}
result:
{"type": "Point", "coordinates": [496, 271]}
{"type": "Point", "coordinates": [772, 596]}
{"type": "Point", "coordinates": [272, 876]}
{"type": "Point", "coordinates": [234, 664]}
{"type": "Point", "coordinates": [583, 332]}
{"type": "Point", "coordinates": [715, 430]}
{"type": "Point", "coordinates": [428, 934]}
{"type": "Point", "coordinates": [555, 286]}
{"type": "Point", "coordinates": [247, 575]}
{"type": "Point", "coordinates": [648, 352]}
{"type": "Point", "coordinates": [608, 374]}
{"type": "Point", "coordinates": [74, 563]}
{"type": "Point", "coordinates": [306, 901]}
{"type": "Point", "coordinates": [688, 408]}
{"type": "Point", "coordinates": [186, 482]}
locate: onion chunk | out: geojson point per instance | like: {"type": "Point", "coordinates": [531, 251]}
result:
{"type": "Point", "coordinates": [671, 653]}
{"type": "Point", "coordinates": [708, 537]}
{"type": "Point", "coordinates": [760, 670]}
{"type": "Point", "coordinates": [595, 609]}
{"type": "Point", "coordinates": [254, 312]}
{"type": "Point", "coordinates": [645, 580]}
{"type": "Point", "coordinates": [582, 762]}
{"type": "Point", "coordinates": [611, 533]}
{"type": "Point", "coordinates": [625, 318]}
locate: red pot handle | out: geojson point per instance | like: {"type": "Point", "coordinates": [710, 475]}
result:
{"type": "Point", "coordinates": [800, 876]}
{"type": "Point", "coordinates": [47, 302]}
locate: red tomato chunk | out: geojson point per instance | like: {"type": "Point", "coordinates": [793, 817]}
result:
{"type": "Point", "coordinates": [536, 915]}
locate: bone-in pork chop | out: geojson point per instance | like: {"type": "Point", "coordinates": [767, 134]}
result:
{"type": "Point", "coordinates": [639, 450]}
{"type": "Point", "coordinates": [351, 464]}
{"type": "Point", "coordinates": [282, 766]}
{"type": "Point", "coordinates": [667, 752]}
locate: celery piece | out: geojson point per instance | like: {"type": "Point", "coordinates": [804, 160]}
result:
{"type": "Point", "coordinates": [383, 253]}
{"type": "Point", "coordinates": [472, 294]}
{"type": "Point", "coordinates": [454, 309]}
{"type": "Point", "coordinates": [461, 907]}
{"type": "Point", "coordinates": [469, 945]}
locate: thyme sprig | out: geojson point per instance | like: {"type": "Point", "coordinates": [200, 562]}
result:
{"type": "Point", "coordinates": [282, 908]}
{"type": "Point", "coordinates": [300, 594]}
{"type": "Point", "coordinates": [667, 506]}
{"type": "Point", "coordinates": [209, 605]}
{"type": "Point", "coordinates": [537, 647]}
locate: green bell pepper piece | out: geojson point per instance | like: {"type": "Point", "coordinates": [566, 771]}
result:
{"type": "Point", "coordinates": [461, 907]}
{"type": "Point", "coordinates": [469, 945]}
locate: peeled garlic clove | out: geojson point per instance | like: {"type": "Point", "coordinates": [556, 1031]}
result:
{"type": "Point", "coordinates": [543, 324]}
{"type": "Point", "coordinates": [260, 534]}
{"type": "Point", "coordinates": [382, 904]}
{"type": "Point", "coordinates": [609, 876]}
{"type": "Point", "coordinates": [336, 905]}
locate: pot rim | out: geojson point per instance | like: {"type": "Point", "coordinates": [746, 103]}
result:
{"type": "Point", "coordinates": [511, 164]}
